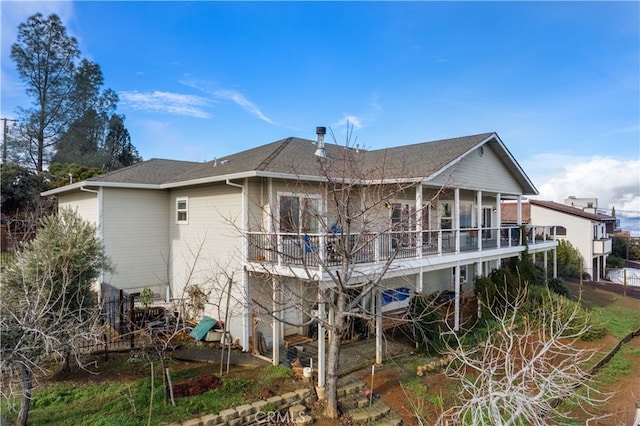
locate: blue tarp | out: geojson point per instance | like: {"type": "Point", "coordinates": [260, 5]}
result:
{"type": "Point", "coordinates": [395, 295]}
{"type": "Point", "coordinates": [200, 331]}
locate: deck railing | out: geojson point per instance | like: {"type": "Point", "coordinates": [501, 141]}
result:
{"type": "Point", "coordinates": [329, 249]}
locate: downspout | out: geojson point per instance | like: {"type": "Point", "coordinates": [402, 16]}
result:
{"type": "Point", "coordinates": [100, 230]}
{"type": "Point", "coordinates": [245, 273]}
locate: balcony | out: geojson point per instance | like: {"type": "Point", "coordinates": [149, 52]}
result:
{"type": "Point", "coordinates": [313, 250]}
{"type": "Point", "coordinates": [602, 247]}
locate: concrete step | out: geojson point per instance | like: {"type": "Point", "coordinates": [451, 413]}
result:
{"type": "Point", "coordinates": [355, 402]}
{"type": "Point", "coordinates": [391, 419]}
{"type": "Point", "coordinates": [369, 414]}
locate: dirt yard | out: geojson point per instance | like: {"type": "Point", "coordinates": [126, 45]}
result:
{"type": "Point", "coordinates": [619, 409]}
{"type": "Point", "coordinates": [439, 390]}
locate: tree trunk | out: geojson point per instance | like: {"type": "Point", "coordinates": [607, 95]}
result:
{"type": "Point", "coordinates": [333, 358]}
{"type": "Point", "coordinates": [26, 377]}
{"type": "Point", "coordinates": [66, 365]}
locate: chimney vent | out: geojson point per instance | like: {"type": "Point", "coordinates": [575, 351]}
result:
{"type": "Point", "coordinates": [320, 152]}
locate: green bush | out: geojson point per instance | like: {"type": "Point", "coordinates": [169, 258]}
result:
{"type": "Point", "coordinates": [427, 325]}
{"type": "Point", "coordinates": [569, 260]}
{"type": "Point", "coordinates": [558, 286]}
{"type": "Point", "coordinates": [615, 262]}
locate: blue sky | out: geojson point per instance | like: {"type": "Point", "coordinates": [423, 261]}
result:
{"type": "Point", "coordinates": [558, 81]}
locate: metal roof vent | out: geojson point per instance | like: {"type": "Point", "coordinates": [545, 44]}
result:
{"type": "Point", "coordinates": [320, 152]}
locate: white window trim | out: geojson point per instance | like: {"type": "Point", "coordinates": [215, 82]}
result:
{"type": "Point", "coordinates": [186, 210]}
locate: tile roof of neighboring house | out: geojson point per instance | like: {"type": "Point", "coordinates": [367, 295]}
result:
{"type": "Point", "coordinates": [295, 156]}
{"type": "Point", "coordinates": [571, 210]}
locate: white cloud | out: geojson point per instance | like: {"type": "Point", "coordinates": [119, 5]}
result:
{"type": "Point", "coordinates": [351, 120]}
{"type": "Point", "coordinates": [243, 102]}
{"type": "Point", "coordinates": [226, 95]}
{"type": "Point", "coordinates": [166, 102]}
{"type": "Point", "coordinates": [614, 182]}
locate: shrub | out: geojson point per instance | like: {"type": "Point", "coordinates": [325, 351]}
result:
{"type": "Point", "coordinates": [427, 325]}
{"type": "Point", "coordinates": [558, 286]}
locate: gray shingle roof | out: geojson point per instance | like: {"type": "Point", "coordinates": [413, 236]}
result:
{"type": "Point", "coordinates": [295, 156]}
{"type": "Point", "coordinates": [151, 172]}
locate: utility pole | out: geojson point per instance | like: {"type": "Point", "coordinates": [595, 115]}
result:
{"type": "Point", "coordinates": [5, 126]}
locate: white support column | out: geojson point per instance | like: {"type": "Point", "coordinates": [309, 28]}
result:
{"type": "Point", "coordinates": [456, 218]}
{"type": "Point", "coordinates": [499, 218]}
{"type": "Point", "coordinates": [519, 220]}
{"type": "Point", "coordinates": [378, 322]}
{"type": "Point", "coordinates": [479, 224]}
{"type": "Point", "coordinates": [419, 214]}
{"type": "Point", "coordinates": [419, 281]}
{"type": "Point", "coordinates": [555, 262]}
{"type": "Point", "coordinates": [246, 312]}
{"type": "Point", "coordinates": [456, 278]}
{"type": "Point", "coordinates": [322, 372]}
{"type": "Point", "coordinates": [271, 210]}
{"type": "Point", "coordinates": [546, 268]}
{"type": "Point", "coordinates": [275, 359]}
{"type": "Point", "coordinates": [478, 209]}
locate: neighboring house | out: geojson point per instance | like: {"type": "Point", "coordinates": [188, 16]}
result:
{"type": "Point", "coordinates": [585, 228]}
{"type": "Point", "coordinates": [576, 221]}
{"type": "Point", "coordinates": [170, 224]}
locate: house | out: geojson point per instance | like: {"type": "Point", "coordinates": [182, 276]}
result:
{"type": "Point", "coordinates": [581, 225]}
{"type": "Point", "coordinates": [270, 215]}
{"type": "Point", "coordinates": [577, 221]}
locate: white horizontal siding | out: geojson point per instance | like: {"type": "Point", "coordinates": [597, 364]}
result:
{"type": "Point", "coordinates": [484, 172]}
{"type": "Point", "coordinates": [136, 237]}
{"type": "Point", "coordinates": [208, 249]}
{"type": "Point", "coordinates": [83, 202]}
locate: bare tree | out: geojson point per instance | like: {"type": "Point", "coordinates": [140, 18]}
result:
{"type": "Point", "coordinates": [324, 233]}
{"type": "Point", "coordinates": [48, 307]}
{"type": "Point", "coordinates": [524, 367]}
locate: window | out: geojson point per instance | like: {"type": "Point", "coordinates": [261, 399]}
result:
{"type": "Point", "coordinates": [463, 274]}
{"type": "Point", "coordinates": [445, 215]}
{"type": "Point", "coordinates": [466, 215]}
{"type": "Point", "coordinates": [182, 210]}
{"type": "Point", "coordinates": [487, 217]}
{"type": "Point", "coordinates": [403, 216]}
{"type": "Point", "coordinates": [299, 214]}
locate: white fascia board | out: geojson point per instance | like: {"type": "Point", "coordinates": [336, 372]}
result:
{"type": "Point", "coordinates": [312, 178]}
{"type": "Point", "coordinates": [209, 179]}
{"type": "Point", "coordinates": [223, 178]}
{"type": "Point", "coordinates": [65, 188]}
{"type": "Point", "coordinates": [242, 175]}
{"type": "Point", "coordinates": [91, 184]}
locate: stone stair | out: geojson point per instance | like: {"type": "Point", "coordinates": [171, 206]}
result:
{"type": "Point", "coordinates": [356, 404]}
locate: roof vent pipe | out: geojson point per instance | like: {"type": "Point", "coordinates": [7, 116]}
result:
{"type": "Point", "coordinates": [321, 131]}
